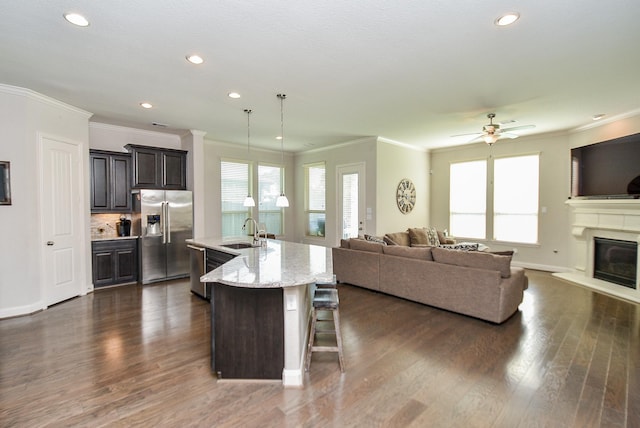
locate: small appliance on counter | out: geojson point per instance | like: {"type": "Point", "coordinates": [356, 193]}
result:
{"type": "Point", "coordinates": [123, 227]}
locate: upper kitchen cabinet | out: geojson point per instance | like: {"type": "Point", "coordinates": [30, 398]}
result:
{"type": "Point", "coordinates": [110, 181]}
{"type": "Point", "coordinates": [158, 168]}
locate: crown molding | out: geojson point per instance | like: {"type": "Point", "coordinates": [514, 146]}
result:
{"type": "Point", "coordinates": [35, 96]}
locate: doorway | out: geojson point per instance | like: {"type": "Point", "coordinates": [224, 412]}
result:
{"type": "Point", "coordinates": [351, 200]}
{"type": "Point", "coordinates": [61, 213]}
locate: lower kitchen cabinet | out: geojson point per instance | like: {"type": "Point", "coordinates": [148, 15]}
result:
{"type": "Point", "coordinates": [114, 262]}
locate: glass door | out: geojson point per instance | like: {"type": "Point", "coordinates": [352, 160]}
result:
{"type": "Point", "coordinates": [351, 203]}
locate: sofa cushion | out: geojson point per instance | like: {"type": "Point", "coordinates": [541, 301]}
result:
{"type": "Point", "coordinates": [409, 252]}
{"type": "Point", "coordinates": [374, 239]}
{"type": "Point", "coordinates": [424, 236]}
{"type": "Point", "coordinates": [398, 238]}
{"type": "Point", "coordinates": [474, 259]}
{"type": "Point", "coordinates": [362, 245]}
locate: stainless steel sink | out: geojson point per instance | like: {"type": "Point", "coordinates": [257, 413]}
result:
{"type": "Point", "coordinates": [238, 245]}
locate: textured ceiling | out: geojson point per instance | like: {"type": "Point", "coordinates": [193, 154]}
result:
{"type": "Point", "coordinates": [415, 72]}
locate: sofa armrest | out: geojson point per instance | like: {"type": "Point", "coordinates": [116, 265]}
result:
{"type": "Point", "coordinates": [356, 267]}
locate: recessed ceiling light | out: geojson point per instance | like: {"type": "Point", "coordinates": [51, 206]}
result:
{"type": "Point", "coordinates": [234, 95]}
{"type": "Point", "coordinates": [76, 19]}
{"type": "Point", "coordinates": [146, 105]}
{"type": "Point", "coordinates": [598, 116]}
{"type": "Point", "coordinates": [195, 59]}
{"type": "Point", "coordinates": [507, 19]}
{"type": "Point", "coordinates": [279, 137]}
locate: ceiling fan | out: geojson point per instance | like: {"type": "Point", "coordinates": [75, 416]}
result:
{"type": "Point", "coordinates": [492, 132]}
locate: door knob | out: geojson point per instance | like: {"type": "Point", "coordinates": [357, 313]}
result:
{"type": "Point", "coordinates": [50, 243]}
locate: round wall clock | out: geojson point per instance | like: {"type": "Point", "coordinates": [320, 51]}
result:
{"type": "Point", "coordinates": [406, 196]}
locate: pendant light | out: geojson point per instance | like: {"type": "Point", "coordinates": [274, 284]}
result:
{"type": "Point", "coordinates": [282, 200]}
{"type": "Point", "coordinates": [248, 201]}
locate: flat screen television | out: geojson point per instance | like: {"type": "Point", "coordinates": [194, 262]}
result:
{"type": "Point", "coordinates": [607, 170]}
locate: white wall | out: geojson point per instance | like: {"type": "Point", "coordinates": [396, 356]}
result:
{"type": "Point", "coordinates": [396, 162]}
{"type": "Point", "coordinates": [553, 251]}
{"type": "Point", "coordinates": [113, 138]}
{"type": "Point", "coordinates": [23, 115]}
{"type": "Point", "coordinates": [363, 150]}
{"type": "Point", "coordinates": [214, 152]}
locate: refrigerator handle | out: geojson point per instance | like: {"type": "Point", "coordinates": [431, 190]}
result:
{"type": "Point", "coordinates": [168, 217]}
{"type": "Point", "coordinates": [163, 226]}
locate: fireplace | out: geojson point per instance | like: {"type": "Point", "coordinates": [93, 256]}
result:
{"type": "Point", "coordinates": [615, 261]}
{"type": "Point", "coordinates": [611, 268]}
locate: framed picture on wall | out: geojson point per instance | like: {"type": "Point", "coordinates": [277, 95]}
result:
{"type": "Point", "coordinates": [5, 183]}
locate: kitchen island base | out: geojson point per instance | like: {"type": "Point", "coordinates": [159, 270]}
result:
{"type": "Point", "coordinates": [247, 329]}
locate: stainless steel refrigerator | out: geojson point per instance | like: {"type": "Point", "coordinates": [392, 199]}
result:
{"type": "Point", "coordinates": [165, 219]}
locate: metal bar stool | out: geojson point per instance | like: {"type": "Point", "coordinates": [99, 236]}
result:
{"type": "Point", "coordinates": [325, 298]}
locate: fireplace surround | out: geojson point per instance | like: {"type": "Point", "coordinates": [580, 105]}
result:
{"type": "Point", "coordinates": [608, 220]}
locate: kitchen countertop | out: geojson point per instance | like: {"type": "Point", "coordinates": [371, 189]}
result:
{"type": "Point", "coordinates": [111, 238]}
{"type": "Point", "coordinates": [278, 265]}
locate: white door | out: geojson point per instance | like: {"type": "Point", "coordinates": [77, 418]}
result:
{"type": "Point", "coordinates": [62, 221]}
{"type": "Point", "coordinates": [351, 202]}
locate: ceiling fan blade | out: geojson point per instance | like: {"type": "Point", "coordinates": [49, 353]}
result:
{"type": "Point", "coordinates": [464, 135]}
{"type": "Point", "coordinates": [508, 135]}
{"type": "Point", "coordinates": [518, 128]}
{"type": "Point", "coordinates": [478, 139]}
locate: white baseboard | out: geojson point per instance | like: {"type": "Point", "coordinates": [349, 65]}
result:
{"type": "Point", "coordinates": [22, 310]}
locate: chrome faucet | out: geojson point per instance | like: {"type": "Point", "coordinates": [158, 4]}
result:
{"type": "Point", "coordinates": [256, 238]}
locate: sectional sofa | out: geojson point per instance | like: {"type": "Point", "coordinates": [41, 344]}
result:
{"type": "Point", "coordinates": [473, 283]}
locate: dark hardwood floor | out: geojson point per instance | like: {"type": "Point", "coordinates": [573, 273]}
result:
{"type": "Point", "coordinates": [139, 356]}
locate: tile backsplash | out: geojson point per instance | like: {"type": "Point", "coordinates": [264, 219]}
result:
{"type": "Point", "coordinates": [104, 225]}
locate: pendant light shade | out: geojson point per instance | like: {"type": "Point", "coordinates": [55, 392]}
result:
{"type": "Point", "coordinates": [282, 201]}
{"type": "Point", "coordinates": [248, 201]}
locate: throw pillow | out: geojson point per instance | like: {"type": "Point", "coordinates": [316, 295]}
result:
{"type": "Point", "coordinates": [473, 259]}
{"type": "Point", "coordinates": [463, 247]}
{"type": "Point", "coordinates": [374, 239]}
{"type": "Point", "coordinates": [408, 252]}
{"type": "Point", "coordinates": [433, 236]}
{"type": "Point", "coordinates": [418, 236]}
{"type": "Point", "coordinates": [398, 238]}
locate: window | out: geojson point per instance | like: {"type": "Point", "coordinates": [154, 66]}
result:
{"type": "Point", "coordinates": [269, 185]}
{"type": "Point", "coordinates": [468, 199]}
{"type": "Point", "coordinates": [315, 199]}
{"type": "Point", "coordinates": [234, 183]}
{"type": "Point", "coordinates": [515, 199]}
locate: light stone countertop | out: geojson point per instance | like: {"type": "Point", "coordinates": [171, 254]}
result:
{"type": "Point", "coordinates": [280, 264]}
{"type": "Point", "coordinates": [111, 237]}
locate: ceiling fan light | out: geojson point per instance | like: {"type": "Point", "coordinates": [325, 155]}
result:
{"type": "Point", "coordinates": [507, 19]}
{"type": "Point", "coordinates": [490, 138]}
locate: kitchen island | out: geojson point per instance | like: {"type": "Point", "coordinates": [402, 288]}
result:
{"type": "Point", "coordinates": [260, 306]}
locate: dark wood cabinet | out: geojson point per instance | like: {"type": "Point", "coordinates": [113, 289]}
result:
{"type": "Point", "coordinates": [158, 168]}
{"type": "Point", "coordinates": [110, 181]}
{"type": "Point", "coordinates": [247, 332]}
{"type": "Point", "coordinates": [114, 262]}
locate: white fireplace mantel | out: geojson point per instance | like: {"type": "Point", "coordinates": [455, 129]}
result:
{"type": "Point", "coordinates": [606, 218]}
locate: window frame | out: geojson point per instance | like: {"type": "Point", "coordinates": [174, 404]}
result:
{"type": "Point", "coordinates": [278, 210]}
{"type": "Point", "coordinates": [246, 211]}
{"type": "Point", "coordinates": [307, 202]}
{"type": "Point", "coordinates": [535, 213]}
